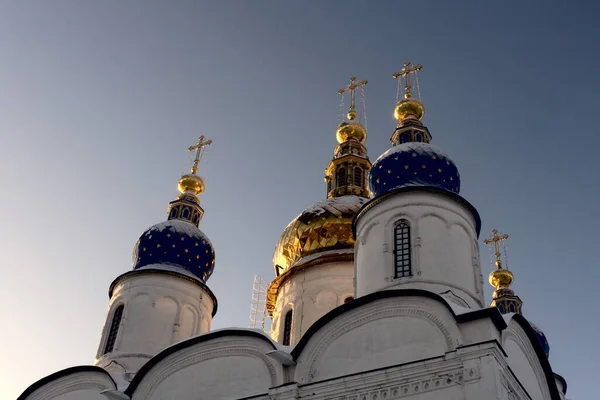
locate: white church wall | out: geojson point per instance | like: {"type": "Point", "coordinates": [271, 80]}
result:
{"type": "Point", "coordinates": [159, 310]}
{"type": "Point", "coordinates": [85, 385]}
{"type": "Point", "coordinates": [227, 367]}
{"type": "Point", "coordinates": [444, 249]}
{"type": "Point", "coordinates": [311, 293]}
{"type": "Point", "coordinates": [524, 362]}
{"type": "Point", "coordinates": [382, 333]}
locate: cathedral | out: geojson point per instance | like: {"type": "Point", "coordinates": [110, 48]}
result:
{"type": "Point", "coordinates": [377, 294]}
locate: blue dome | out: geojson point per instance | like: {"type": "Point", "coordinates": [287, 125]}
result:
{"type": "Point", "coordinates": [178, 243]}
{"type": "Point", "coordinates": [413, 164]}
{"type": "Point", "coordinates": [542, 339]}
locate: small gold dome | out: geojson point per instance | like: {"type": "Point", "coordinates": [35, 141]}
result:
{"type": "Point", "coordinates": [325, 226]}
{"type": "Point", "coordinates": [351, 130]}
{"type": "Point", "coordinates": [191, 183]}
{"type": "Point", "coordinates": [409, 108]}
{"type": "Point", "coordinates": [501, 278]}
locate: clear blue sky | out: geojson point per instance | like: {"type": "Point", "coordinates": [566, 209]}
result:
{"type": "Point", "coordinates": [99, 101]}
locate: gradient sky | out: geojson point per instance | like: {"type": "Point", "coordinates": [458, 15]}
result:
{"type": "Point", "coordinates": [100, 100]}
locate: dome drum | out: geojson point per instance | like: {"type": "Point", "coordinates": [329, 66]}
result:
{"type": "Point", "coordinates": [411, 132]}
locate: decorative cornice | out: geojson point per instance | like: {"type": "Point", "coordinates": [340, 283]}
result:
{"type": "Point", "coordinates": [225, 333]}
{"type": "Point", "coordinates": [429, 189]}
{"type": "Point", "coordinates": [491, 313]}
{"type": "Point", "coordinates": [66, 385]}
{"type": "Point", "coordinates": [156, 271]}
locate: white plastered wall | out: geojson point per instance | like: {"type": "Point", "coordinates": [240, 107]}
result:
{"type": "Point", "coordinates": [159, 310]}
{"type": "Point", "coordinates": [311, 293]}
{"type": "Point", "coordinates": [444, 248]}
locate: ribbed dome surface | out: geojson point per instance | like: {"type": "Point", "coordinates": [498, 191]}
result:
{"type": "Point", "coordinates": [325, 226]}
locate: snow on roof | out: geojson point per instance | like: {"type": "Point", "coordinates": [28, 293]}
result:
{"type": "Point", "coordinates": [322, 254]}
{"type": "Point", "coordinates": [336, 205]}
{"type": "Point", "coordinates": [418, 147]}
{"type": "Point", "coordinates": [170, 268]}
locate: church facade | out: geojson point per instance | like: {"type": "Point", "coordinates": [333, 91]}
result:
{"type": "Point", "coordinates": [378, 294]}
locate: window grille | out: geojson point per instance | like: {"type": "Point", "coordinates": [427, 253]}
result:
{"type": "Point", "coordinates": [358, 177]}
{"type": "Point", "coordinates": [402, 258]}
{"type": "Point", "coordinates": [287, 328]}
{"type": "Point", "coordinates": [114, 329]}
{"type": "Point", "coordinates": [341, 177]}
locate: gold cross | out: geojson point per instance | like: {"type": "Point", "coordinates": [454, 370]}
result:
{"type": "Point", "coordinates": [496, 238]}
{"type": "Point", "coordinates": [351, 87]}
{"type": "Point", "coordinates": [198, 147]}
{"type": "Point", "coordinates": [405, 72]}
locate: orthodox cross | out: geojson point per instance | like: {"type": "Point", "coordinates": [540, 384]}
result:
{"type": "Point", "coordinates": [405, 72]}
{"type": "Point", "coordinates": [199, 147]}
{"type": "Point", "coordinates": [495, 239]}
{"type": "Point", "coordinates": [351, 87]}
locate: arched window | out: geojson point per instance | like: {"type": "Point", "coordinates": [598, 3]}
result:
{"type": "Point", "coordinates": [348, 299]}
{"type": "Point", "coordinates": [402, 249]}
{"type": "Point", "coordinates": [114, 329]}
{"type": "Point", "coordinates": [287, 328]}
{"type": "Point", "coordinates": [358, 176]}
{"type": "Point", "coordinates": [419, 137]}
{"type": "Point", "coordinates": [341, 177]}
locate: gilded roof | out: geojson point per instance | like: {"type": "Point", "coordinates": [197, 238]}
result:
{"type": "Point", "coordinates": [325, 226]}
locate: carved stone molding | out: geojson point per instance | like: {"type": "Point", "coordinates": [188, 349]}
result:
{"type": "Point", "coordinates": [375, 311]}
{"type": "Point", "coordinates": [70, 383]}
{"type": "Point", "coordinates": [192, 356]}
{"type": "Point", "coordinates": [516, 333]}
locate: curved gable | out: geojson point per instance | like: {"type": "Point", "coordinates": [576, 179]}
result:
{"type": "Point", "coordinates": [382, 329]}
{"type": "Point", "coordinates": [527, 359]}
{"type": "Point", "coordinates": [82, 382]}
{"type": "Point", "coordinates": [222, 364]}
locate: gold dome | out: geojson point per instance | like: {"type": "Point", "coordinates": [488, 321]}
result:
{"type": "Point", "coordinates": [501, 278]}
{"type": "Point", "coordinates": [351, 130]}
{"type": "Point", "coordinates": [191, 183]}
{"type": "Point", "coordinates": [325, 226]}
{"type": "Point", "coordinates": [409, 108]}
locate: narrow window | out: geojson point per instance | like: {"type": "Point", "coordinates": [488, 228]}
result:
{"type": "Point", "coordinates": [402, 249]}
{"type": "Point", "coordinates": [287, 328]}
{"type": "Point", "coordinates": [341, 177]}
{"type": "Point", "coordinates": [419, 137]}
{"type": "Point", "coordinates": [358, 175]}
{"type": "Point", "coordinates": [114, 329]}
{"type": "Point", "coordinates": [348, 299]}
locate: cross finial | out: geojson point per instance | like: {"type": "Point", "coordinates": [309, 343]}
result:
{"type": "Point", "coordinates": [405, 72]}
{"type": "Point", "coordinates": [495, 239]}
{"type": "Point", "coordinates": [351, 87]}
{"type": "Point", "coordinates": [198, 147]}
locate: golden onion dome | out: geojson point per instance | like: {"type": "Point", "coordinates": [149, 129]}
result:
{"type": "Point", "coordinates": [409, 108]}
{"type": "Point", "coordinates": [501, 278]}
{"type": "Point", "coordinates": [191, 183]}
{"type": "Point", "coordinates": [351, 130]}
{"type": "Point", "coordinates": [325, 226]}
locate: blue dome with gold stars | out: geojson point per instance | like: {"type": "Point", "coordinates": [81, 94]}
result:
{"type": "Point", "coordinates": [178, 243]}
{"type": "Point", "coordinates": [542, 339]}
{"type": "Point", "coordinates": [413, 164]}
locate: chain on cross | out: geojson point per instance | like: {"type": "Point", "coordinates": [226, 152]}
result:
{"type": "Point", "coordinates": [405, 72]}
{"type": "Point", "coordinates": [199, 147]}
{"type": "Point", "coordinates": [351, 87]}
{"type": "Point", "coordinates": [495, 239]}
